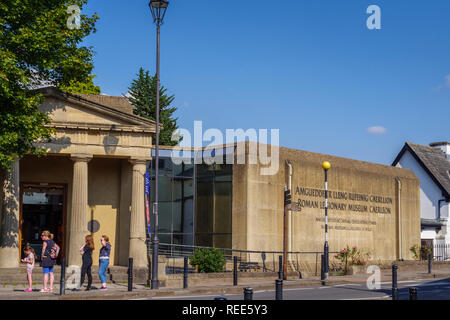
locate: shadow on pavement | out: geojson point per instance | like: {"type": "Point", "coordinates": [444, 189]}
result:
{"type": "Point", "coordinates": [423, 290]}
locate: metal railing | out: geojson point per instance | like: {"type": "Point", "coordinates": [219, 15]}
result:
{"type": "Point", "coordinates": [440, 252]}
{"type": "Point", "coordinates": [248, 260]}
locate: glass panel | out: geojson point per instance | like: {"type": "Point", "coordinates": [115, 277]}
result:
{"type": "Point", "coordinates": [225, 172]}
{"type": "Point", "coordinates": [164, 238]}
{"type": "Point", "coordinates": [222, 240]}
{"type": "Point", "coordinates": [183, 170]}
{"type": "Point", "coordinates": [204, 170]}
{"type": "Point", "coordinates": [205, 205]}
{"type": "Point", "coordinates": [177, 216]}
{"type": "Point", "coordinates": [165, 188]}
{"type": "Point", "coordinates": [203, 239]}
{"type": "Point", "coordinates": [165, 217]}
{"type": "Point", "coordinates": [183, 239]}
{"type": "Point", "coordinates": [222, 214]}
{"type": "Point", "coordinates": [188, 216]}
{"type": "Point", "coordinates": [188, 170]}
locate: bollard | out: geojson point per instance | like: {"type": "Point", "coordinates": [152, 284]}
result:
{"type": "Point", "coordinates": [62, 283]}
{"type": "Point", "coordinates": [322, 267]}
{"type": "Point", "coordinates": [394, 282]}
{"type": "Point", "coordinates": [278, 289]}
{"type": "Point", "coordinates": [235, 271]}
{"type": "Point", "coordinates": [412, 293]}
{"type": "Point", "coordinates": [429, 262]}
{"type": "Point", "coordinates": [248, 293]}
{"type": "Point", "coordinates": [280, 267]}
{"type": "Point", "coordinates": [130, 274]}
{"type": "Point", "coordinates": [185, 272]}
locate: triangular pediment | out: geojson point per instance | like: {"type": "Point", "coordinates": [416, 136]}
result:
{"type": "Point", "coordinates": [72, 109]}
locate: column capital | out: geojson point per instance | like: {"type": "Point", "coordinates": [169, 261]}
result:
{"type": "Point", "coordinates": [137, 161]}
{"type": "Point", "coordinates": [81, 157]}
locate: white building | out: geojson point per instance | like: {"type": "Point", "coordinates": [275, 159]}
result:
{"type": "Point", "coordinates": [432, 166]}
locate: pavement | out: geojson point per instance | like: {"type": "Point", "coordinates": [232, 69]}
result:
{"type": "Point", "coordinates": [140, 291]}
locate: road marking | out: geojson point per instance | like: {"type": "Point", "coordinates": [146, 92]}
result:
{"type": "Point", "coordinates": [373, 298]}
{"type": "Point", "coordinates": [349, 284]}
{"type": "Point", "coordinates": [198, 296]}
{"type": "Point", "coordinates": [298, 289]}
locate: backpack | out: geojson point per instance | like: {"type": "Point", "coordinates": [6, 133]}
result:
{"type": "Point", "coordinates": [54, 251]}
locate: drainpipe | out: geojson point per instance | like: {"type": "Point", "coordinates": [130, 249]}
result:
{"type": "Point", "coordinates": [399, 189]}
{"type": "Point", "coordinates": [290, 224]}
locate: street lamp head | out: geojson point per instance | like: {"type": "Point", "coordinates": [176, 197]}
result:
{"type": "Point", "coordinates": [158, 9]}
{"type": "Point", "coordinates": [326, 165]}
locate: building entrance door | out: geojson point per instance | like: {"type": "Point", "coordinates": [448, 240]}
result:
{"type": "Point", "coordinates": [42, 208]}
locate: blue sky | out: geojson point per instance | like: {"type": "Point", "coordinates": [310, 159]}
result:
{"type": "Point", "coordinates": [309, 68]}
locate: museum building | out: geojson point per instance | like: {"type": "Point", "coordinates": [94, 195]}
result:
{"type": "Point", "coordinates": [92, 181]}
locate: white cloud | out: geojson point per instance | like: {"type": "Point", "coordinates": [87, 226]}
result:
{"type": "Point", "coordinates": [447, 80]}
{"type": "Point", "coordinates": [186, 104]}
{"type": "Point", "coordinates": [377, 130]}
{"type": "Point", "coordinates": [445, 85]}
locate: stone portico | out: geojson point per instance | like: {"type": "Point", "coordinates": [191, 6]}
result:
{"type": "Point", "coordinates": [96, 164]}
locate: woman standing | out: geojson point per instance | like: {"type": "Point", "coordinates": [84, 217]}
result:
{"type": "Point", "coordinates": [104, 260]}
{"type": "Point", "coordinates": [86, 252]}
{"type": "Point", "coordinates": [50, 251]}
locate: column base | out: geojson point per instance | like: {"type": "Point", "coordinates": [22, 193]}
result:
{"type": "Point", "coordinates": [9, 257]}
{"type": "Point", "coordinates": [138, 251]}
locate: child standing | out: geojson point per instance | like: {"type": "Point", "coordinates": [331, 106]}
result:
{"type": "Point", "coordinates": [29, 260]}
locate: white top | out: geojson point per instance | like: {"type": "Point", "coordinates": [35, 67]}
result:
{"type": "Point", "coordinates": [30, 258]}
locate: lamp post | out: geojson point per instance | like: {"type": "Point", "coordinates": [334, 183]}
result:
{"type": "Point", "coordinates": [158, 9]}
{"type": "Point", "coordinates": [326, 165]}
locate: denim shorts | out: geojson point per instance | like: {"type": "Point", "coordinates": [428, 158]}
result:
{"type": "Point", "coordinates": [47, 270]}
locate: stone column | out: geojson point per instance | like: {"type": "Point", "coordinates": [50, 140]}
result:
{"type": "Point", "coordinates": [9, 227]}
{"type": "Point", "coordinates": [138, 248]}
{"type": "Point", "coordinates": [79, 211]}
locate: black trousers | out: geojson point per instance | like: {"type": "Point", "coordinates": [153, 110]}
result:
{"type": "Point", "coordinates": [86, 270]}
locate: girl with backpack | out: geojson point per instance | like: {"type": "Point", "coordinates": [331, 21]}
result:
{"type": "Point", "coordinates": [86, 252]}
{"type": "Point", "coordinates": [50, 251]}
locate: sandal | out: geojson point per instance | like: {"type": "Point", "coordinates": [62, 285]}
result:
{"type": "Point", "coordinates": [43, 290]}
{"type": "Point", "coordinates": [50, 290]}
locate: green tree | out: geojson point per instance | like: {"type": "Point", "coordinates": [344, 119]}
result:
{"type": "Point", "coordinates": [142, 95]}
{"type": "Point", "coordinates": [82, 87]}
{"type": "Point", "coordinates": [36, 47]}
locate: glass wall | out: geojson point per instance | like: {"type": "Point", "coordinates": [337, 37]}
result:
{"type": "Point", "coordinates": [214, 201]}
{"type": "Point", "coordinates": [195, 203]}
{"type": "Point", "coordinates": [176, 201]}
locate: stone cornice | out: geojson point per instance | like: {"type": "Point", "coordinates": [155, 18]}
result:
{"type": "Point", "coordinates": [99, 127]}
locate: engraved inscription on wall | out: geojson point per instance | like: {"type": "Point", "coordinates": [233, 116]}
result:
{"type": "Point", "coordinates": [341, 201]}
